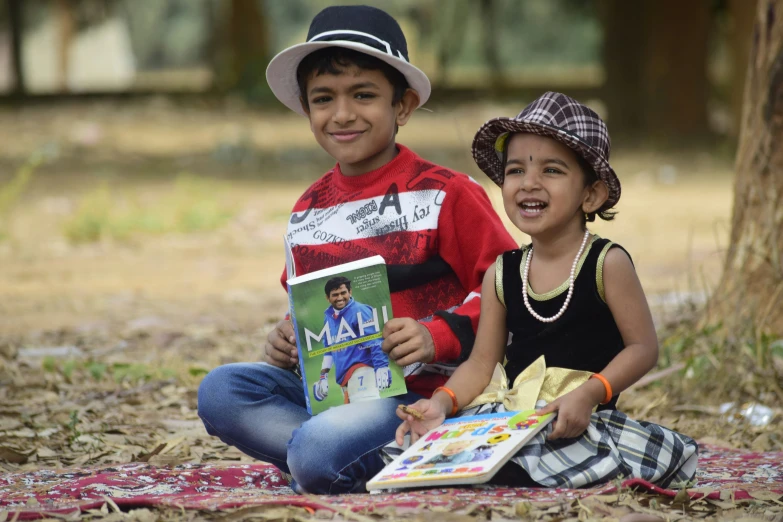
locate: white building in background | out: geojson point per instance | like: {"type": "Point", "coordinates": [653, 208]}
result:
{"type": "Point", "coordinates": [126, 45]}
{"type": "Point", "coordinates": [100, 58]}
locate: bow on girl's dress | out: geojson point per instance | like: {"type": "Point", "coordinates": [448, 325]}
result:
{"type": "Point", "coordinates": [535, 383]}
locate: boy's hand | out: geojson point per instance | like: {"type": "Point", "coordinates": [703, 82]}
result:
{"type": "Point", "coordinates": [432, 417]}
{"type": "Point", "coordinates": [407, 341]}
{"type": "Point", "coordinates": [280, 347]}
{"type": "Point", "coordinates": [573, 414]}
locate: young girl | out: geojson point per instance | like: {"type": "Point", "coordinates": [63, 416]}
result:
{"type": "Point", "coordinates": [580, 328]}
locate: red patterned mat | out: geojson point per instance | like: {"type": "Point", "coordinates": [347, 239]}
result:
{"type": "Point", "coordinates": [723, 473]}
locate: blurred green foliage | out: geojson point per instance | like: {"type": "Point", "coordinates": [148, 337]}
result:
{"type": "Point", "coordinates": [191, 206]}
{"type": "Point", "coordinates": [530, 33]}
{"type": "Point", "coordinates": [11, 191]}
{"type": "Point", "coordinates": [73, 370]}
{"type": "Point", "coordinates": [723, 364]}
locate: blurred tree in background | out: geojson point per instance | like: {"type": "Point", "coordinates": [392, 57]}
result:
{"type": "Point", "coordinates": [14, 17]}
{"type": "Point", "coordinates": [664, 70]}
{"type": "Point", "coordinates": [751, 289]}
{"type": "Point", "coordinates": [655, 57]}
{"type": "Point", "coordinates": [242, 48]}
{"type": "Point", "coordinates": [651, 63]}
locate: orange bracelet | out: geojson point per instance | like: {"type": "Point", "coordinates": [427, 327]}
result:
{"type": "Point", "coordinates": [454, 403]}
{"type": "Point", "coordinates": [607, 387]}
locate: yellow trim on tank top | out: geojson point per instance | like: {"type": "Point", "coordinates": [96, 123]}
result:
{"type": "Point", "coordinates": [599, 271]}
{"type": "Point", "coordinates": [499, 280]}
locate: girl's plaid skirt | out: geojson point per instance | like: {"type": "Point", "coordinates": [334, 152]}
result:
{"type": "Point", "coordinates": [613, 446]}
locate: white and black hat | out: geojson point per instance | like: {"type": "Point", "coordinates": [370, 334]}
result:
{"type": "Point", "coordinates": [359, 27]}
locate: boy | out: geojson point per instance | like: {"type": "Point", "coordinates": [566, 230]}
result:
{"type": "Point", "coordinates": [435, 228]}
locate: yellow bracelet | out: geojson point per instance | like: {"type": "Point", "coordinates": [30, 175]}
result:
{"type": "Point", "coordinates": [607, 387]}
{"type": "Point", "coordinates": [454, 403]}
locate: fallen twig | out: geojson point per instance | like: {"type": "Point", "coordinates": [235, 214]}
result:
{"type": "Point", "coordinates": [656, 376]}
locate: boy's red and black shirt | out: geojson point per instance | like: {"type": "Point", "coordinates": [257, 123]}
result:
{"type": "Point", "coordinates": [436, 229]}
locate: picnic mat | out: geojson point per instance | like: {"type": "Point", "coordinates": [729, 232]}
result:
{"type": "Point", "coordinates": [724, 474]}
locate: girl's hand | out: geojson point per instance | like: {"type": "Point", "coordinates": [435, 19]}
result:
{"type": "Point", "coordinates": [433, 417]}
{"type": "Point", "coordinates": [573, 414]}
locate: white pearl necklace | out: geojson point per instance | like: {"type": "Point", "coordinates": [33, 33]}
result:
{"type": "Point", "coordinates": [570, 284]}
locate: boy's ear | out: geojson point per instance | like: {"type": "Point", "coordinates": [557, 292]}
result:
{"type": "Point", "coordinates": [596, 196]}
{"type": "Point", "coordinates": [406, 106]}
{"type": "Point", "coordinates": [305, 107]}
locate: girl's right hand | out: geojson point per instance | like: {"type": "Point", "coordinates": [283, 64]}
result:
{"type": "Point", "coordinates": [433, 417]}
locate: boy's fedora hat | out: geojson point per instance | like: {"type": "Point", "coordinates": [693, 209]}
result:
{"type": "Point", "coordinates": [555, 116]}
{"type": "Point", "coordinates": [359, 27]}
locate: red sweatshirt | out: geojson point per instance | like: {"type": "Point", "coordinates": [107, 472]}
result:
{"type": "Point", "coordinates": [435, 228]}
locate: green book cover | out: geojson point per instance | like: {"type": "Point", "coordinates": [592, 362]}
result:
{"type": "Point", "coordinates": [338, 315]}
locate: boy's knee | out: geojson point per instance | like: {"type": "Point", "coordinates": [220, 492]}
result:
{"type": "Point", "coordinates": [210, 393]}
{"type": "Point", "coordinates": [323, 460]}
{"type": "Point", "coordinates": [312, 458]}
{"type": "Point", "coordinates": [217, 393]}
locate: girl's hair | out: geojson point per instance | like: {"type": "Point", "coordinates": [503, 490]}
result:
{"type": "Point", "coordinates": [590, 178]}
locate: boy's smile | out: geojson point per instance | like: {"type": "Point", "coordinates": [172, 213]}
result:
{"type": "Point", "coordinates": [353, 119]}
{"type": "Point", "coordinates": [346, 136]}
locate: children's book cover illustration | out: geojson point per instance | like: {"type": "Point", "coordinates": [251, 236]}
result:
{"type": "Point", "coordinates": [338, 316]}
{"type": "Point", "coordinates": [462, 450]}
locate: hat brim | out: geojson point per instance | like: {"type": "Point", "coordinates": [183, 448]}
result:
{"type": "Point", "coordinates": [281, 71]}
{"type": "Point", "coordinates": [489, 159]}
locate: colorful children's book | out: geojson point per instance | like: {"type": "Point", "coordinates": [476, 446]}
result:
{"type": "Point", "coordinates": [462, 450]}
{"type": "Point", "coordinates": [338, 315]}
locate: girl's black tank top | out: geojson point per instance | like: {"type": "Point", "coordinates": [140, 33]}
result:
{"type": "Point", "coordinates": [585, 337]}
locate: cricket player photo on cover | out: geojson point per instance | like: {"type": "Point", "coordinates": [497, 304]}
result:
{"type": "Point", "coordinates": [340, 354]}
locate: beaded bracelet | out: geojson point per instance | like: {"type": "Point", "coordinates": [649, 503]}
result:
{"type": "Point", "coordinates": [454, 403]}
{"type": "Point", "coordinates": [607, 387]}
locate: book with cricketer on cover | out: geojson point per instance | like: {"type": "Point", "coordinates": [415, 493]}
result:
{"type": "Point", "coordinates": [338, 315]}
{"type": "Point", "coordinates": [462, 450]}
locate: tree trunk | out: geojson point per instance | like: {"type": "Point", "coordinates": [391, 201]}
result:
{"type": "Point", "coordinates": [655, 58]}
{"type": "Point", "coordinates": [742, 14]}
{"type": "Point", "coordinates": [751, 288]}
{"type": "Point", "coordinates": [490, 36]}
{"type": "Point", "coordinates": [240, 49]}
{"type": "Point", "coordinates": [623, 50]}
{"type": "Point", "coordinates": [65, 22]}
{"type": "Point", "coordinates": [15, 23]}
{"type": "Point", "coordinates": [451, 22]}
{"type": "Point", "coordinates": [676, 88]}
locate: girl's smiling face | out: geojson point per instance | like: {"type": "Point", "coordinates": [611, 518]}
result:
{"type": "Point", "coordinates": [544, 189]}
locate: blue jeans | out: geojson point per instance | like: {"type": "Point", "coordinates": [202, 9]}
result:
{"type": "Point", "coordinates": [260, 409]}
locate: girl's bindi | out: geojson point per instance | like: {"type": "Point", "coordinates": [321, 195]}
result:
{"type": "Point", "coordinates": [531, 159]}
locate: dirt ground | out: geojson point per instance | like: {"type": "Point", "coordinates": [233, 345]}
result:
{"type": "Point", "coordinates": [103, 343]}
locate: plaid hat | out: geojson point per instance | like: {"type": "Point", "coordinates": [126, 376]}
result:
{"type": "Point", "coordinates": [359, 27]}
{"type": "Point", "coordinates": [555, 116]}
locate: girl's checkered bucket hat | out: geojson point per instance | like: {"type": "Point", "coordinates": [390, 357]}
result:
{"type": "Point", "coordinates": [555, 116]}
